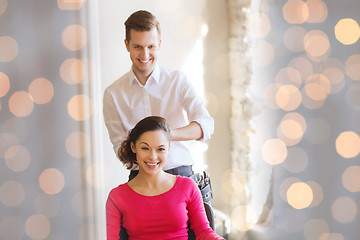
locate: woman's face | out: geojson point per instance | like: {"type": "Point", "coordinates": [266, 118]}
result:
{"type": "Point", "coordinates": [151, 150]}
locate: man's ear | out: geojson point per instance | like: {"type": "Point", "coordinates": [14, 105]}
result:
{"type": "Point", "coordinates": [127, 44]}
{"type": "Point", "coordinates": [133, 149]}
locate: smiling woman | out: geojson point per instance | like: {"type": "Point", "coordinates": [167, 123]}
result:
{"type": "Point", "coordinates": [180, 199]}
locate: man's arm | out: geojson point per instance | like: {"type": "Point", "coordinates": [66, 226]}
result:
{"type": "Point", "coordinates": [193, 131]}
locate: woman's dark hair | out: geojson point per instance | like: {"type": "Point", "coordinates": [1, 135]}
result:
{"type": "Point", "coordinates": [152, 123]}
{"type": "Point", "coordinates": [141, 21]}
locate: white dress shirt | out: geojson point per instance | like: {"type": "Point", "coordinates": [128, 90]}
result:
{"type": "Point", "coordinates": [168, 94]}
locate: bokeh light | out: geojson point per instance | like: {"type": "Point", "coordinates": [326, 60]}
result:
{"type": "Point", "coordinates": [269, 96]}
{"type": "Point", "coordinates": [12, 193]}
{"type": "Point", "coordinates": [331, 236]}
{"type": "Point", "coordinates": [51, 181]}
{"type": "Point", "coordinates": [290, 132]}
{"type": "Point", "coordinates": [317, 87]}
{"type": "Point", "coordinates": [309, 102]}
{"type": "Point", "coordinates": [318, 130]}
{"type": "Point", "coordinates": [348, 144]}
{"type": "Point", "coordinates": [288, 76]}
{"type": "Point", "coordinates": [274, 151]}
{"type": "Point", "coordinates": [336, 78]}
{"type": "Point", "coordinates": [72, 71]}
{"type": "Point", "coordinates": [353, 97]}
{"type": "Point", "coordinates": [17, 127]}
{"type": "Point", "coordinates": [233, 184]}
{"type": "Point", "coordinates": [79, 107]}
{"type": "Point", "coordinates": [3, 6]}
{"type": "Point", "coordinates": [21, 104]}
{"type": "Point", "coordinates": [6, 141]}
{"type": "Point", "coordinates": [299, 195]}
{"type": "Point", "coordinates": [294, 39]}
{"type": "Point", "coordinates": [316, 43]}
{"type": "Point", "coordinates": [352, 66]}
{"type": "Point", "coordinates": [4, 84]}
{"type": "Point", "coordinates": [288, 97]}
{"type": "Point", "coordinates": [344, 209]}
{"type": "Point", "coordinates": [259, 25]}
{"type": "Point", "coordinates": [70, 5]}
{"type": "Point", "coordinates": [8, 49]}
{"type": "Point", "coordinates": [285, 185]}
{"type": "Point", "coordinates": [291, 129]}
{"type": "Point", "coordinates": [91, 177]}
{"type": "Point", "coordinates": [296, 160]}
{"type": "Point", "coordinates": [317, 11]}
{"type": "Point", "coordinates": [295, 11]}
{"type": "Point", "coordinates": [41, 90]}
{"type": "Point", "coordinates": [11, 228]}
{"type": "Point", "coordinates": [74, 37]}
{"type": "Point", "coordinates": [303, 66]}
{"type": "Point", "coordinates": [78, 144]}
{"type": "Point", "coordinates": [37, 226]}
{"type": "Point", "coordinates": [264, 53]}
{"type": "Point", "coordinates": [351, 178]}
{"type": "Point", "coordinates": [17, 158]}
{"type": "Point", "coordinates": [318, 193]}
{"type": "Point", "coordinates": [314, 228]}
{"type": "Point", "coordinates": [243, 218]}
{"type": "Point", "coordinates": [47, 205]}
{"type": "Point", "coordinates": [347, 31]}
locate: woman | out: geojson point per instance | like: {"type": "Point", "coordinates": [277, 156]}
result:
{"type": "Point", "coordinates": [155, 204]}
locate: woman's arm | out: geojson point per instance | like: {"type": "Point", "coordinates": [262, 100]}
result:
{"type": "Point", "coordinates": [197, 216]}
{"type": "Point", "coordinates": [113, 220]}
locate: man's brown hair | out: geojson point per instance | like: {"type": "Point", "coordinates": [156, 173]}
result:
{"type": "Point", "coordinates": [141, 21]}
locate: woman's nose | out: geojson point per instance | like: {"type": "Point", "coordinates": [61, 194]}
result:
{"type": "Point", "coordinates": [153, 155]}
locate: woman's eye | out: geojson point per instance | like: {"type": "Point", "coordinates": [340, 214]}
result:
{"type": "Point", "coordinates": [161, 149]}
{"type": "Point", "coordinates": [144, 148]}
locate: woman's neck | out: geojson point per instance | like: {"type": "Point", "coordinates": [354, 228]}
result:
{"type": "Point", "coordinates": [151, 185]}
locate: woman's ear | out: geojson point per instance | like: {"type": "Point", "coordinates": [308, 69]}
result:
{"type": "Point", "coordinates": [132, 146]}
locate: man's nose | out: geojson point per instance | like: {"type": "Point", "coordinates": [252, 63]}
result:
{"type": "Point", "coordinates": [145, 52]}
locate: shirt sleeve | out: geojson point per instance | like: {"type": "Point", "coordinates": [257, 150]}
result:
{"type": "Point", "coordinates": [197, 216]}
{"type": "Point", "coordinates": [113, 220]}
{"type": "Point", "coordinates": [195, 108]}
{"type": "Point", "coordinates": [113, 122]}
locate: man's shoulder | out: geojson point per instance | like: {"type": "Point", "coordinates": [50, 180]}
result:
{"type": "Point", "coordinates": [122, 80]}
{"type": "Point", "coordinates": [171, 74]}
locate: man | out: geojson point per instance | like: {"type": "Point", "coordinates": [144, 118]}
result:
{"type": "Point", "coordinates": [148, 89]}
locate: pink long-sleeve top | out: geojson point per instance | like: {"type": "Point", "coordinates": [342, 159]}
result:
{"type": "Point", "coordinates": [163, 216]}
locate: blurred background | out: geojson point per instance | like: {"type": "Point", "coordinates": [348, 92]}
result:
{"type": "Point", "coordinates": [280, 78]}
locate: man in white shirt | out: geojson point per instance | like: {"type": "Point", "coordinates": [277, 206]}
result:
{"type": "Point", "coordinates": [148, 89]}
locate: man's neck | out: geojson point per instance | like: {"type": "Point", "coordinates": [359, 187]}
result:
{"type": "Point", "coordinates": [142, 77]}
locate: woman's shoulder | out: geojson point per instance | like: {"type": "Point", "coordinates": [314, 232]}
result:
{"type": "Point", "coordinates": [119, 189]}
{"type": "Point", "coordinates": [186, 181]}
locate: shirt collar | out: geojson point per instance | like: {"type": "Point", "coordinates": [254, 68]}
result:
{"type": "Point", "coordinates": [155, 75]}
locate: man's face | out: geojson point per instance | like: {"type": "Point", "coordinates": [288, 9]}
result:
{"type": "Point", "coordinates": [143, 48]}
